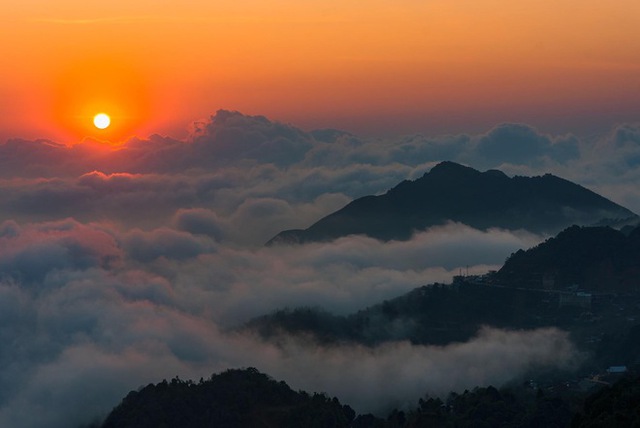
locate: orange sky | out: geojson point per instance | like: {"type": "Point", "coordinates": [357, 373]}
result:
{"type": "Point", "coordinates": [392, 66]}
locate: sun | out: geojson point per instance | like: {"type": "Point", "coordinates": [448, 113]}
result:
{"type": "Point", "coordinates": [101, 120]}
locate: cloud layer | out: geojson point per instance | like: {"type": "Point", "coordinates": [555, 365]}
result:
{"type": "Point", "coordinates": [92, 311]}
{"type": "Point", "coordinates": [124, 265]}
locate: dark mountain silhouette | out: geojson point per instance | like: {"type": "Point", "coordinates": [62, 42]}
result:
{"type": "Point", "coordinates": [584, 280]}
{"type": "Point", "coordinates": [452, 192]}
{"type": "Point", "coordinates": [535, 288]}
{"type": "Point", "coordinates": [599, 259]}
{"type": "Point", "coordinates": [437, 314]}
{"type": "Point", "coordinates": [234, 398]}
{"type": "Point", "coordinates": [606, 331]}
{"type": "Point", "coordinates": [248, 398]}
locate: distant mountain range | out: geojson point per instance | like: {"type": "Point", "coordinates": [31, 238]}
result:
{"type": "Point", "coordinates": [453, 192]}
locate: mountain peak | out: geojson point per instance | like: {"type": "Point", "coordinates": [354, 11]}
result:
{"type": "Point", "coordinates": [451, 192]}
{"type": "Point", "coordinates": [451, 168]}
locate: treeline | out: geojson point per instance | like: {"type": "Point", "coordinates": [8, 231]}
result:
{"type": "Point", "coordinates": [596, 259]}
{"type": "Point", "coordinates": [248, 398]}
{"type": "Point", "coordinates": [234, 398]}
{"type": "Point", "coordinates": [436, 314]}
{"type": "Point", "coordinates": [607, 332]}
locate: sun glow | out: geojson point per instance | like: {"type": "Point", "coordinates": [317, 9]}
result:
{"type": "Point", "coordinates": [84, 87]}
{"type": "Point", "coordinates": [101, 121]}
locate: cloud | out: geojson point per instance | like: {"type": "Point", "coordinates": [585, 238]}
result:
{"type": "Point", "coordinates": [100, 334]}
{"type": "Point", "coordinates": [524, 145]}
{"type": "Point", "coordinates": [626, 135]}
{"type": "Point", "coordinates": [124, 265]}
{"type": "Point", "coordinates": [231, 157]}
{"type": "Point", "coordinates": [100, 311]}
{"type": "Point", "coordinates": [417, 149]}
{"type": "Point", "coordinates": [343, 276]}
{"type": "Point", "coordinates": [361, 376]}
{"type": "Point", "coordinates": [246, 141]}
{"type": "Point", "coordinates": [199, 221]}
{"type": "Point", "coordinates": [231, 136]}
{"type": "Point", "coordinates": [28, 254]}
{"type": "Point", "coordinates": [152, 200]}
{"type": "Point", "coordinates": [240, 282]}
{"type": "Point", "coordinates": [19, 158]}
{"type": "Point", "coordinates": [448, 246]}
{"type": "Point", "coordinates": [164, 243]}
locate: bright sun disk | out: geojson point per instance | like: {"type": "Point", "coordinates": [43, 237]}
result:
{"type": "Point", "coordinates": [101, 120]}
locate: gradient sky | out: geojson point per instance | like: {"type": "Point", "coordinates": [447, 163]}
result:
{"type": "Point", "coordinates": [123, 265]}
{"type": "Point", "coordinates": [376, 68]}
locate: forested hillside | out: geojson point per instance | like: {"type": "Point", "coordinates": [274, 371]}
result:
{"type": "Point", "coordinates": [248, 398]}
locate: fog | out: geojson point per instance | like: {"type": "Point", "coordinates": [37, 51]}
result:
{"type": "Point", "coordinates": [120, 267]}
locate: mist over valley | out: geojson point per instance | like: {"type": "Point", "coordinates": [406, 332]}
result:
{"type": "Point", "coordinates": [122, 266]}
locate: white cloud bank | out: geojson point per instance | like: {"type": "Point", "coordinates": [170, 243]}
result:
{"type": "Point", "coordinates": [91, 312]}
{"type": "Point", "coordinates": [119, 268]}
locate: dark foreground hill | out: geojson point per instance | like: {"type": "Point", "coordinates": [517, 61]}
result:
{"type": "Point", "coordinates": [248, 398]}
{"type": "Point", "coordinates": [452, 192]}
{"type": "Point", "coordinates": [234, 398]}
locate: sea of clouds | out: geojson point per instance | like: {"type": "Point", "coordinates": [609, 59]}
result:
{"type": "Point", "coordinates": [127, 265]}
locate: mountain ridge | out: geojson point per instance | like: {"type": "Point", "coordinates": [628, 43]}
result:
{"type": "Point", "coordinates": [454, 192]}
{"type": "Point", "coordinates": [595, 259]}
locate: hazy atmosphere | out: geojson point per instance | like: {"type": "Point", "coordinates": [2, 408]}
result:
{"type": "Point", "coordinates": [122, 266]}
{"type": "Point", "coordinates": [131, 254]}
